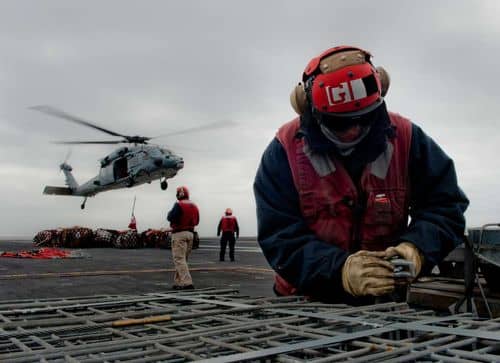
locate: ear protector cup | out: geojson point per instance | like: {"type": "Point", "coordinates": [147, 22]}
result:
{"type": "Point", "coordinates": [385, 79]}
{"type": "Point", "coordinates": [298, 99]}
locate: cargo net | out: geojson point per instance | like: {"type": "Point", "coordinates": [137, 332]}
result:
{"type": "Point", "coordinates": [81, 237]}
{"type": "Point", "coordinates": [221, 326]}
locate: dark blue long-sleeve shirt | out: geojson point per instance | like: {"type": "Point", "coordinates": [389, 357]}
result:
{"type": "Point", "coordinates": [437, 223]}
{"type": "Point", "coordinates": [174, 215]}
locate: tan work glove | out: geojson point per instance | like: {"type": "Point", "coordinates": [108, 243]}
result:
{"type": "Point", "coordinates": [409, 252]}
{"type": "Point", "coordinates": [367, 273]}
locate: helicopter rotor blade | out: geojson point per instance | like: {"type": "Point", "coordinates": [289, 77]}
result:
{"type": "Point", "coordinates": [68, 155]}
{"type": "Point", "coordinates": [87, 142]}
{"type": "Point", "coordinates": [49, 110]}
{"type": "Point", "coordinates": [210, 126]}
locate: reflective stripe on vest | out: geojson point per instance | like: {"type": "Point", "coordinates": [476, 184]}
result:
{"type": "Point", "coordinates": [328, 196]}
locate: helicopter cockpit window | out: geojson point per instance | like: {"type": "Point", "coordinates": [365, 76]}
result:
{"type": "Point", "coordinates": [106, 175]}
{"type": "Point", "coordinates": [120, 168]}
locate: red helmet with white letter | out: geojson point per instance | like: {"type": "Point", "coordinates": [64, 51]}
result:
{"type": "Point", "coordinates": [182, 192]}
{"type": "Point", "coordinates": [341, 82]}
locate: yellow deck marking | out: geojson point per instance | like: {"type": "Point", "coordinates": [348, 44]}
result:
{"type": "Point", "coordinates": [124, 272]}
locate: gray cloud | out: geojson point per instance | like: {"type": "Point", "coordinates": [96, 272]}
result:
{"type": "Point", "coordinates": [154, 67]}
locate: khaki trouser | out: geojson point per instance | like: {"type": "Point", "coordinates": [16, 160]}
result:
{"type": "Point", "coordinates": [182, 243]}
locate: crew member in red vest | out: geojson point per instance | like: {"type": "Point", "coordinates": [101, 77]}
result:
{"type": "Point", "coordinates": [183, 217]}
{"type": "Point", "coordinates": [228, 226]}
{"type": "Point", "coordinates": [133, 223]}
{"type": "Point", "coordinates": [336, 186]}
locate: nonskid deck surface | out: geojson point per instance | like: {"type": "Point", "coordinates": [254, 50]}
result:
{"type": "Point", "coordinates": [220, 325]}
{"type": "Point", "coordinates": [131, 271]}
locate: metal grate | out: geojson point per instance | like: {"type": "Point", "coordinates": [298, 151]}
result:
{"type": "Point", "coordinates": [223, 326]}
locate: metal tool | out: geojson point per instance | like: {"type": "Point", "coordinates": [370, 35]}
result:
{"type": "Point", "coordinates": [404, 270]}
{"type": "Point", "coordinates": [404, 274]}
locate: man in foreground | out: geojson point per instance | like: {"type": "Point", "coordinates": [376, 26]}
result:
{"type": "Point", "coordinates": [336, 186]}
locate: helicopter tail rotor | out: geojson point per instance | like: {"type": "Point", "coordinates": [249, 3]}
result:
{"type": "Point", "coordinates": [70, 179]}
{"type": "Point", "coordinates": [68, 155]}
{"type": "Point", "coordinates": [64, 165]}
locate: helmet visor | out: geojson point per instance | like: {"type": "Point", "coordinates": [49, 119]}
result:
{"type": "Point", "coordinates": [340, 124]}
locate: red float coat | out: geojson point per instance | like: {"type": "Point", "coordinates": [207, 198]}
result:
{"type": "Point", "coordinates": [188, 218]}
{"type": "Point", "coordinates": [133, 223]}
{"type": "Point", "coordinates": [332, 204]}
{"type": "Point", "coordinates": [228, 224]}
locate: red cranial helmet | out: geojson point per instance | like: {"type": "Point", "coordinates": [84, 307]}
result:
{"type": "Point", "coordinates": [182, 193]}
{"type": "Point", "coordinates": [229, 211]}
{"type": "Point", "coordinates": [341, 82]}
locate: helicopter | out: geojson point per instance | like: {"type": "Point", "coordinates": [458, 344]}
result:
{"type": "Point", "coordinates": [137, 163]}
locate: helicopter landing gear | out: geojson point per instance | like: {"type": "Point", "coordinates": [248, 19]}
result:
{"type": "Point", "coordinates": [164, 184]}
{"type": "Point", "coordinates": [83, 204]}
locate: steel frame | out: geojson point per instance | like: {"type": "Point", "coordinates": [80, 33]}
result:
{"type": "Point", "coordinates": [219, 325]}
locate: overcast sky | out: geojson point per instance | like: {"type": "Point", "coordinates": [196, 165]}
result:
{"type": "Point", "coordinates": [150, 67]}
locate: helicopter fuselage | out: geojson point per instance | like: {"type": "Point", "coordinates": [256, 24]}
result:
{"type": "Point", "coordinates": [125, 167]}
